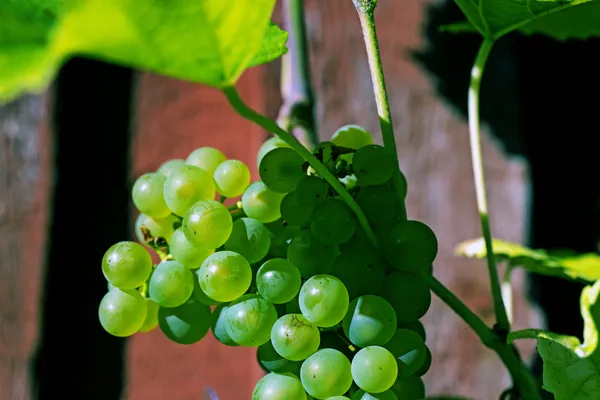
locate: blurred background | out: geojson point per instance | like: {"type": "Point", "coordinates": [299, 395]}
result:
{"type": "Point", "coordinates": [69, 157]}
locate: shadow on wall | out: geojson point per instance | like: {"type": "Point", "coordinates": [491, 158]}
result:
{"type": "Point", "coordinates": [538, 99]}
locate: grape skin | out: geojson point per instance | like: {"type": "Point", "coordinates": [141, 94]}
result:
{"type": "Point", "coordinates": [370, 320]}
{"type": "Point", "coordinates": [249, 320]}
{"type": "Point", "coordinates": [250, 238]}
{"type": "Point", "coordinates": [278, 280]}
{"type": "Point", "coordinates": [333, 222]}
{"type": "Point", "coordinates": [362, 395]}
{"type": "Point", "coordinates": [147, 195]}
{"type": "Point", "coordinates": [186, 324]}
{"type": "Point", "coordinates": [373, 165]}
{"type": "Point", "coordinates": [271, 361]}
{"type": "Point", "coordinates": [169, 166]}
{"type": "Point", "coordinates": [261, 203]}
{"type": "Point", "coordinates": [324, 300]}
{"type": "Point", "coordinates": [126, 265]}
{"type": "Point", "coordinates": [163, 228]}
{"type": "Point", "coordinates": [231, 177]}
{"type": "Point", "coordinates": [310, 255]}
{"type": "Point", "coordinates": [408, 294]}
{"type": "Point", "coordinates": [268, 145]}
{"type": "Point", "coordinates": [294, 337]}
{"type": "Point", "coordinates": [218, 326]}
{"type": "Point", "coordinates": [275, 386]}
{"type": "Point", "coordinates": [186, 186]}
{"type": "Point", "coordinates": [206, 158]}
{"type": "Point", "coordinates": [151, 321]}
{"type": "Point", "coordinates": [207, 224]}
{"type": "Point", "coordinates": [186, 253]}
{"type": "Point", "coordinates": [171, 284]}
{"type": "Point", "coordinates": [409, 349]}
{"type": "Point", "coordinates": [122, 312]}
{"type": "Point", "coordinates": [225, 276]}
{"type": "Point", "coordinates": [281, 169]}
{"type": "Point", "coordinates": [326, 373]}
{"type": "Point", "coordinates": [374, 369]}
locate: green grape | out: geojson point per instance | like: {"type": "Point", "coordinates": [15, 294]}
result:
{"type": "Point", "coordinates": [151, 321]}
{"type": "Point", "coordinates": [122, 312]}
{"type": "Point", "coordinates": [324, 300]}
{"type": "Point", "coordinates": [279, 386]}
{"type": "Point", "coordinates": [338, 398]}
{"type": "Point", "coordinates": [225, 276]}
{"type": "Point", "coordinates": [163, 228]}
{"type": "Point", "coordinates": [310, 255]}
{"type": "Point", "coordinates": [416, 326]}
{"type": "Point", "coordinates": [249, 320]}
{"type": "Point", "coordinates": [207, 158]}
{"type": "Point", "coordinates": [281, 169]}
{"type": "Point", "coordinates": [410, 246]}
{"type": "Point", "coordinates": [250, 238]}
{"type": "Point", "coordinates": [268, 145]}
{"type": "Point", "coordinates": [374, 369]}
{"type": "Point", "coordinates": [426, 364]}
{"type": "Point", "coordinates": [281, 235]}
{"type": "Point", "coordinates": [403, 185]}
{"type": "Point", "coordinates": [333, 222]}
{"type": "Point", "coordinates": [326, 373]}
{"type": "Point", "coordinates": [373, 165]}
{"type": "Point", "coordinates": [380, 205]}
{"type": "Point", "coordinates": [261, 203]}
{"type": "Point", "coordinates": [171, 284]}
{"type": "Point", "coordinates": [169, 166]}
{"type": "Point", "coordinates": [270, 360]}
{"type": "Point", "coordinates": [292, 306]}
{"type": "Point", "coordinates": [185, 252]}
{"type": "Point", "coordinates": [109, 286]}
{"type": "Point", "coordinates": [186, 186]}
{"type": "Point", "coordinates": [333, 340]}
{"type": "Point", "coordinates": [353, 137]}
{"type": "Point", "coordinates": [408, 294]}
{"type": "Point", "coordinates": [362, 272]}
{"type": "Point", "coordinates": [293, 211]}
{"type": "Point", "coordinates": [294, 337]}
{"type": "Point", "coordinates": [278, 280]}
{"type": "Point", "coordinates": [411, 388]}
{"type": "Point", "coordinates": [312, 190]}
{"type": "Point", "coordinates": [126, 265]}
{"type": "Point", "coordinates": [147, 195]}
{"type": "Point", "coordinates": [409, 349]}
{"type": "Point", "coordinates": [362, 395]}
{"type": "Point", "coordinates": [201, 296]}
{"type": "Point", "coordinates": [186, 324]}
{"type": "Point", "coordinates": [370, 320]}
{"type": "Point", "coordinates": [207, 224]}
{"type": "Point", "coordinates": [218, 326]}
{"type": "Point", "coordinates": [232, 177]}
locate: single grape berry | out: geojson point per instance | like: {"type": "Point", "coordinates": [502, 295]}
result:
{"type": "Point", "coordinates": [278, 280]}
{"type": "Point", "coordinates": [312, 190]}
{"type": "Point", "coordinates": [261, 203]}
{"type": "Point", "coordinates": [353, 137]}
{"type": "Point", "coordinates": [276, 386]}
{"type": "Point", "coordinates": [310, 255]}
{"type": "Point", "coordinates": [147, 195]}
{"type": "Point", "coordinates": [122, 312]}
{"type": "Point", "coordinates": [250, 238]}
{"type": "Point", "coordinates": [326, 373]}
{"type": "Point", "coordinates": [218, 326]}
{"type": "Point", "coordinates": [185, 252]}
{"type": "Point", "coordinates": [370, 320]}
{"type": "Point", "coordinates": [281, 169]}
{"type": "Point", "coordinates": [294, 211]}
{"type": "Point", "coordinates": [232, 177]}
{"type": "Point", "coordinates": [249, 320]}
{"type": "Point", "coordinates": [225, 276]}
{"type": "Point", "coordinates": [380, 205]}
{"type": "Point", "coordinates": [169, 166]}
{"type": "Point", "coordinates": [409, 349]}
{"type": "Point", "coordinates": [373, 165]}
{"type": "Point", "coordinates": [332, 222]}
{"type": "Point", "coordinates": [151, 321]}
{"type": "Point", "coordinates": [268, 145]}
{"type": "Point", "coordinates": [408, 294]}
{"type": "Point", "coordinates": [294, 337]}
{"type": "Point", "coordinates": [186, 186]}
{"type": "Point", "coordinates": [410, 246]}
{"type": "Point", "coordinates": [207, 224]}
{"type": "Point", "coordinates": [411, 388]}
{"type": "Point", "coordinates": [186, 324]}
{"type": "Point", "coordinates": [157, 228]}
{"type": "Point", "coordinates": [206, 158]}
{"type": "Point", "coordinates": [271, 361]}
{"type": "Point", "coordinates": [324, 300]}
{"type": "Point", "coordinates": [171, 284]}
{"type": "Point", "coordinates": [126, 265]}
{"type": "Point", "coordinates": [374, 369]}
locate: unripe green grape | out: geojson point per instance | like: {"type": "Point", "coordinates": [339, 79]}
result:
{"type": "Point", "coordinates": [409, 349]}
{"type": "Point", "coordinates": [281, 169]}
{"type": "Point", "coordinates": [250, 238]}
{"type": "Point", "coordinates": [370, 320]}
{"type": "Point", "coordinates": [171, 284]}
{"type": "Point", "coordinates": [151, 321]}
{"type": "Point", "coordinates": [147, 195]}
{"type": "Point", "coordinates": [333, 340]}
{"type": "Point", "coordinates": [261, 203]}
{"type": "Point", "coordinates": [374, 369]}
{"type": "Point", "coordinates": [275, 386]}
{"type": "Point", "coordinates": [270, 360]}
{"type": "Point", "coordinates": [169, 166]}
{"type": "Point", "coordinates": [225, 276]}
{"type": "Point", "coordinates": [323, 300]}
{"type": "Point", "coordinates": [310, 255]}
{"type": "Point", "coordinates": [292, 306]}
{"type": "Point", "coordinates": [333, 222]}
{"type": "Point", "coordinates": [426, 364]}
{"type": "Point", "coordinates": [411, 388]}
{"type": "Point", "coordinates": [416, 326]}
{"type": "Point", "coordinates": [126, 265]}
{"type": "Point", "coordinates": [326, 373]}
{"type": "Point", "coordinates": [185, 252]}
{"type": "Point", "coordinates": [201, 296]}
{"type": "Point", "coordinates": [278, 280]}
{"type": "Point", "coordinates": [272, 143]}
{"type": "Point", "coordinates": [207, 224]}
{"type": "Point", "coordinates": [164, 227]}
{"type": "Point", "coordinates": [410, 246]}
{"type": "Point", "coordinates": [361, 271]}
{"type": "Point", "coordinates": [218, 326]}
{"type": "Point", "coordinates": [186, 324]}
{"type": "Point", "coordinates": [408, 294]}
{"type": "Point", "coordinates": [380, 205]}
{"type": "Point", "coordinates": [362, 395]}
{"type": "Point", "coordinates": [232, 177]}
{"type": "Point", "coordinates": [373, 165]}
{"type": "Point", "coordinates": [186, 186]}
{"type": "Point", "coordinates": [249, 320]}
{"type": "Point", "coordinates": [353, 137]}
{"type": "Point", "coordinates": [207, 158]}
{"type": "Point", "coordinates": [122, 312]}
{"type": "Point", "coordinates": [312, 190]}
{"type": "Point", "coordinates": [293, 211]}
{"type": "Point", "coordinates": [294, 337]}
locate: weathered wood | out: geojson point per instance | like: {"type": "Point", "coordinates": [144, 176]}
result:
{"type": "Point", "coordinates": [23, 184]}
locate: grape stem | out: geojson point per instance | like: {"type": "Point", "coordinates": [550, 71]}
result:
{"type": "Point", "coordinates": [245, 111]}
{"type": "Point", "coordinates": [297, 114]}
{"type": "Point", "coordinates": [366, 10]}
{"type": "Point", "coordinates": [479, 180]}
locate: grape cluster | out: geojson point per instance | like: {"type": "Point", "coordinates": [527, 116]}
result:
{"type": "Point", "coordinates": [287, 269]}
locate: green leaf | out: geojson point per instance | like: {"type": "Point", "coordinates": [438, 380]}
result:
{"type": "Point", "coordinates": [565, 264]}
{"type": "Point", "coordinates": [561, 19]}
{"type": "Point", "coordinates": [273, 46]}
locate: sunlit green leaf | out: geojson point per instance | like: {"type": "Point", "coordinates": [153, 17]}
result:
{"type": "Point", "coordinates": [273, 46]}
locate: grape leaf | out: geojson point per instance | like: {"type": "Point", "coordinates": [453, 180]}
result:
{"type": "Point", "coordinates": [273, 45]}
{"type": "Point", "coordinates": [562, 19]}
{"type": "Point", "coordinates": [571, 369]}
{"type": "Point", "coordinates": [561, 263]}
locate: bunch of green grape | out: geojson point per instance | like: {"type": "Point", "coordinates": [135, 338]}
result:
{"type": "Point", "coordinates": [287, 269]}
